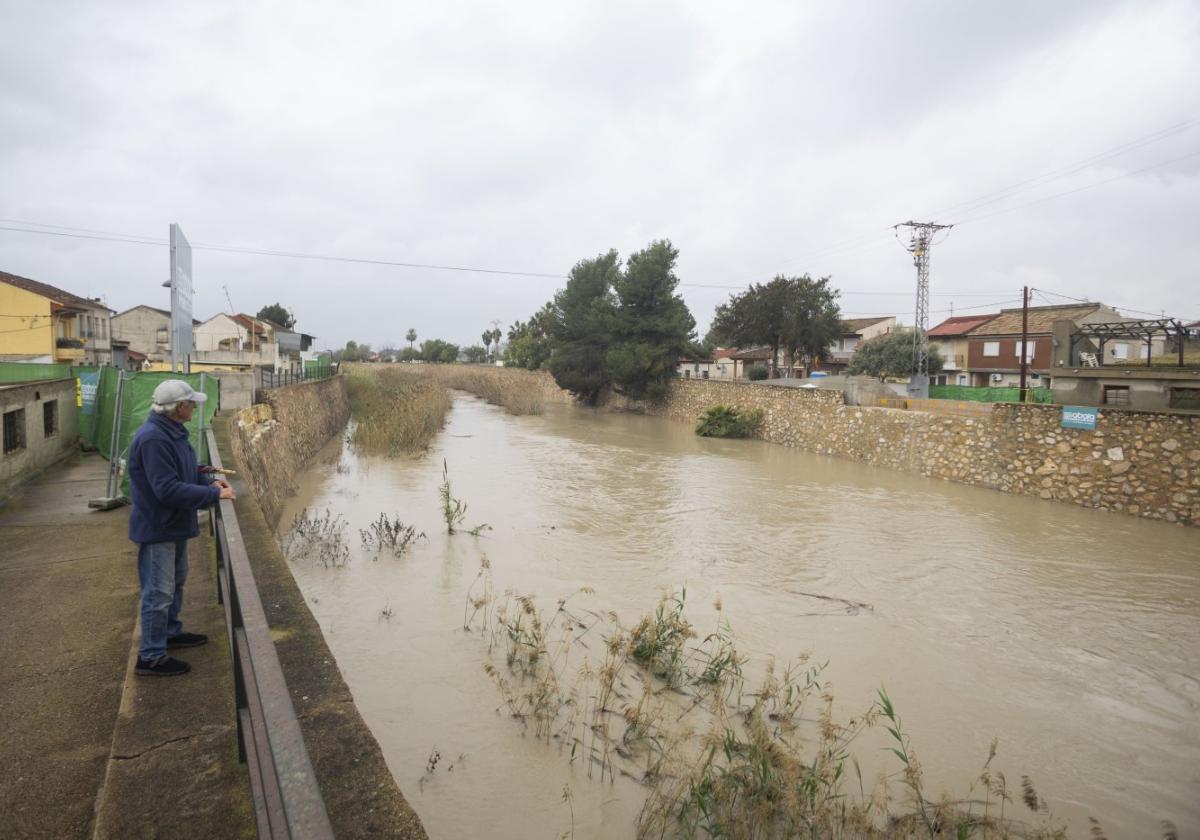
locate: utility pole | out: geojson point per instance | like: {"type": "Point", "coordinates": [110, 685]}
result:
{"type": "Point", "coordinates": [1024, 337]}
{"type": "Point", "coordinates": [919, 244]}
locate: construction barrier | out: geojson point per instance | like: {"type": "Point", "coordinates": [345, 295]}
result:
{"type": "Point", "coordinates": [966, 393]}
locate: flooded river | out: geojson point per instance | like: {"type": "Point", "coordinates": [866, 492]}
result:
{"type": "Point", "coordinates": [1071, 635]}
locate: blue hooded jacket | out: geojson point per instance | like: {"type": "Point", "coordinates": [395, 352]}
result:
{"type": "Point", "coordinates": [164, 483]}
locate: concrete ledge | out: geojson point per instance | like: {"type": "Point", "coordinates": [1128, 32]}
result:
{"type": "Point", "coordinates": [361, 797]}
{"type": "Point", "coordinates": [173, 768]}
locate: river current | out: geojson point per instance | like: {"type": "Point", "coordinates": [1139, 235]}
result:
{"type": "Point", "coordinates": [1071, 635]}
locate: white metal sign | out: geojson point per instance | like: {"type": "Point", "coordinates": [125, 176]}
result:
{"type": "Point", "coordinates": [181, 301]}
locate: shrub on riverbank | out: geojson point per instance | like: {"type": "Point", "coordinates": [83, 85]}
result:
{"type": "Point", "coordinates": [394, 410]}
{"type": "Point", "coordinates": [725, 421]}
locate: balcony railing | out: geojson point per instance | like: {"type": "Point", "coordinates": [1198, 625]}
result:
{"type": "Point", "coordinates": [69, 343]}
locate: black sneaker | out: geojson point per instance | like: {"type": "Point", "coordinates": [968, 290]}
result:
{"type": "Point", "coordinates": [164, 666]}
{"type": "Point", "coordinates": [186, 640]}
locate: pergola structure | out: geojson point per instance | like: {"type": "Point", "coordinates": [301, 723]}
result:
{"type": "Point", "coordinates": [1144, 330]}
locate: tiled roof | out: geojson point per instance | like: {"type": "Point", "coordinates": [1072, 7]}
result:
{"type": "Point", "coordinates": [959, 325]}
{"type": "Point", "coordinates": [752, 354]}
{"type": "Point", "coordinates": [1041, 319]}
{"type": "Point", "coordinates": [724, 353]}
{"type": "Point", "coordinates": [852, 326]}
{"type": "Point", "coordinates": [47, 291]}
{"type": "Point", "coordinates": [249, 323]}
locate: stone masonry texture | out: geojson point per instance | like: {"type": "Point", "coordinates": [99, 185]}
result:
{"type": "Point", "coordinates": [1139, 463]}
{"type": "Point", "coordinates": [274, 439]}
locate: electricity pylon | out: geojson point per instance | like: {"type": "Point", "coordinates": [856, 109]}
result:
{"type": "Point", "coordinates": [919, 244]}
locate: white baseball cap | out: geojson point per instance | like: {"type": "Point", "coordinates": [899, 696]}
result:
{"type": "Point", "coordinates": [176, 390]}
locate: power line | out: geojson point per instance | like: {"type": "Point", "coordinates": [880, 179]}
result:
{"type": "Point", "coordinates": [1069, 169]}
{"type": "Point", "coordinates": [288, 254]}
{"type": "Point", "coordinates": [970, 220]}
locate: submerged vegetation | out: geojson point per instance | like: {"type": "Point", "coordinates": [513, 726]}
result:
{"type": "Point", "coordinates": [320, 537]}
{"type": "Point", "coordinates": [395, 410]}
{"type": "Point", "coordinates": [725, 421]}
{"type": "Point", "coordinates": [720, 758]}
{"type": "Point", "coordinates": [389, 535]}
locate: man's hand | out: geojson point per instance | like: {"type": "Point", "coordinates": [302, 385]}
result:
{"type": "Point", "coordinates": [226, 491]}
{"type": "Point", "coordinates": [222, 483]}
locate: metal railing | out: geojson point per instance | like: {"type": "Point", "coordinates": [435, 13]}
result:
{"type": "Point", "coordinates": [287, 799]}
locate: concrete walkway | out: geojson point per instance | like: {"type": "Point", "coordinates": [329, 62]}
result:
{"type": "Point", "coordinates": [87, 748]}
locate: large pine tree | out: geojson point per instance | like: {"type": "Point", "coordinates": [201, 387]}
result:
{"type": "Point", "coordinates": [580, 326]}
{"type": "Point", "coordinates": [652, 325]}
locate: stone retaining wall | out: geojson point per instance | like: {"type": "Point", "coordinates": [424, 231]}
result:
{"type": "Point", "coordinates": [1145, 464]}
{"type": "Point", "coordinates": [274, 439]}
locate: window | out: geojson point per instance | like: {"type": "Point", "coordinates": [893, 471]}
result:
{"type": "Point", "coordinates": [104, 329]}
{"type": "Point", "coordinates": [991, 348]}
{"type": "Point", "coordinates": [687, 374]}
{"type": "Point", "coordinates": [1030, 349]}
{"type": "Point", "coordinates": [50, 418]}
{"type": "Point", "coordinates": [14, 430]}
{"type": "Point", "coordinates": [704, 374]}
{"type": "Point", "coordinates": [962, 379]}
{"type": "Point", "coordinates": [1120, 351]}
{"type": "Point", "coordinates": [161, 336]}
{"type": "Point", "coordinates": [1185, 398]}
{"type": "Point", "coordinates": [1116, 395]}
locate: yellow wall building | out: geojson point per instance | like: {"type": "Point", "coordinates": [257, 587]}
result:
{"type": "Point", "coordinates": [38, 322]}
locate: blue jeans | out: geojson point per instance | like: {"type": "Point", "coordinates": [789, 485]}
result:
{"type": "Point", "coordinates": [162, 571]}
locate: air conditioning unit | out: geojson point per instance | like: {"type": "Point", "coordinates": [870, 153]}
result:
{"type": "Point", "coordinates": [997, 377]}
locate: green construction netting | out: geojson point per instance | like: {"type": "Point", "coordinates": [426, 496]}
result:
{"type": "Point", "coordinates": [134, 394]}
{"type": "Point", "coordinates": [969, 394]}
{"type": "Point", "coordinates": [30, 372]}
{"type": "Point", "coordinates": [317, 368]}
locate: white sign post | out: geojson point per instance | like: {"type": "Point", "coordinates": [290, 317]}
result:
{"type": "Point", "coordinates": [181, 301]}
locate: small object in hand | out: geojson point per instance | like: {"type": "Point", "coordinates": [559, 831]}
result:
{"type": "Point", "coordinates": [218, 470]}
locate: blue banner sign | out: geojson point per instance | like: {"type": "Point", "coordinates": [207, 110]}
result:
{"type": "Point", "coordinates": [88, 382]}
{"type": "Point", "coordinates": [1079, 417]}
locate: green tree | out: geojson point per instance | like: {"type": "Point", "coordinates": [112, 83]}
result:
{"type": "Point", "coordinates": [410, 337]}
{"type": "Point", "coordinates": [796, 314]}
{"type": "Point", "coordinates": [276, 314]}
{"type": "Point", "coordinates": [580, 326]}
{"type": "Point", "coordinates": [651, 325]}
{"type": "Point", "coordinates": [814, 319]}
{"type": "Point", "coordinates": [436, 350]}
{"type": "Point", "coordinates": [475, 353]}
{"type": "Point", "coordinates": [889, 355]}
{"type": "Point", "coordinates": [529, 342]}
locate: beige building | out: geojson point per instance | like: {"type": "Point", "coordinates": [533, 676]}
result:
{"type": "Point", "coordinates": [854, 332]}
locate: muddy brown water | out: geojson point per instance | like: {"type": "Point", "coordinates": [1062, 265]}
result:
{"type": "Point", "coordinates": [1071, 635]}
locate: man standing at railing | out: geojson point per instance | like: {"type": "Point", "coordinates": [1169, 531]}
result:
{"type": "Point", "coordinates": [167, 488]}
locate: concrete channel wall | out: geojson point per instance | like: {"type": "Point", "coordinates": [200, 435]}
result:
{"type": "Point", "coordinates": [274, 439]}
{"type": "Point", "coordinates": [1141, 463]}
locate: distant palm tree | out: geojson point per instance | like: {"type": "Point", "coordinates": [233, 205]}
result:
{"type": "Point", "coordinates": [411, 336]}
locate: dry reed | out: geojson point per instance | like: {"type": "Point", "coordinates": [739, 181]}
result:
{"type": "Point", "coordinates": [395, 410]}
{"type": "Point", "coordinates": [518, 392]}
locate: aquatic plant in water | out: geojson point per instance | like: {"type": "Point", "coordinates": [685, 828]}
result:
{"type": "Point", "coordinates": [320, 536]}
{"type": "Point", "coordinates": [718, 760]}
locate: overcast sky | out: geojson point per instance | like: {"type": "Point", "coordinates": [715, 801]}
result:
{"type": "Point", "coordinates": [759, 137]}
